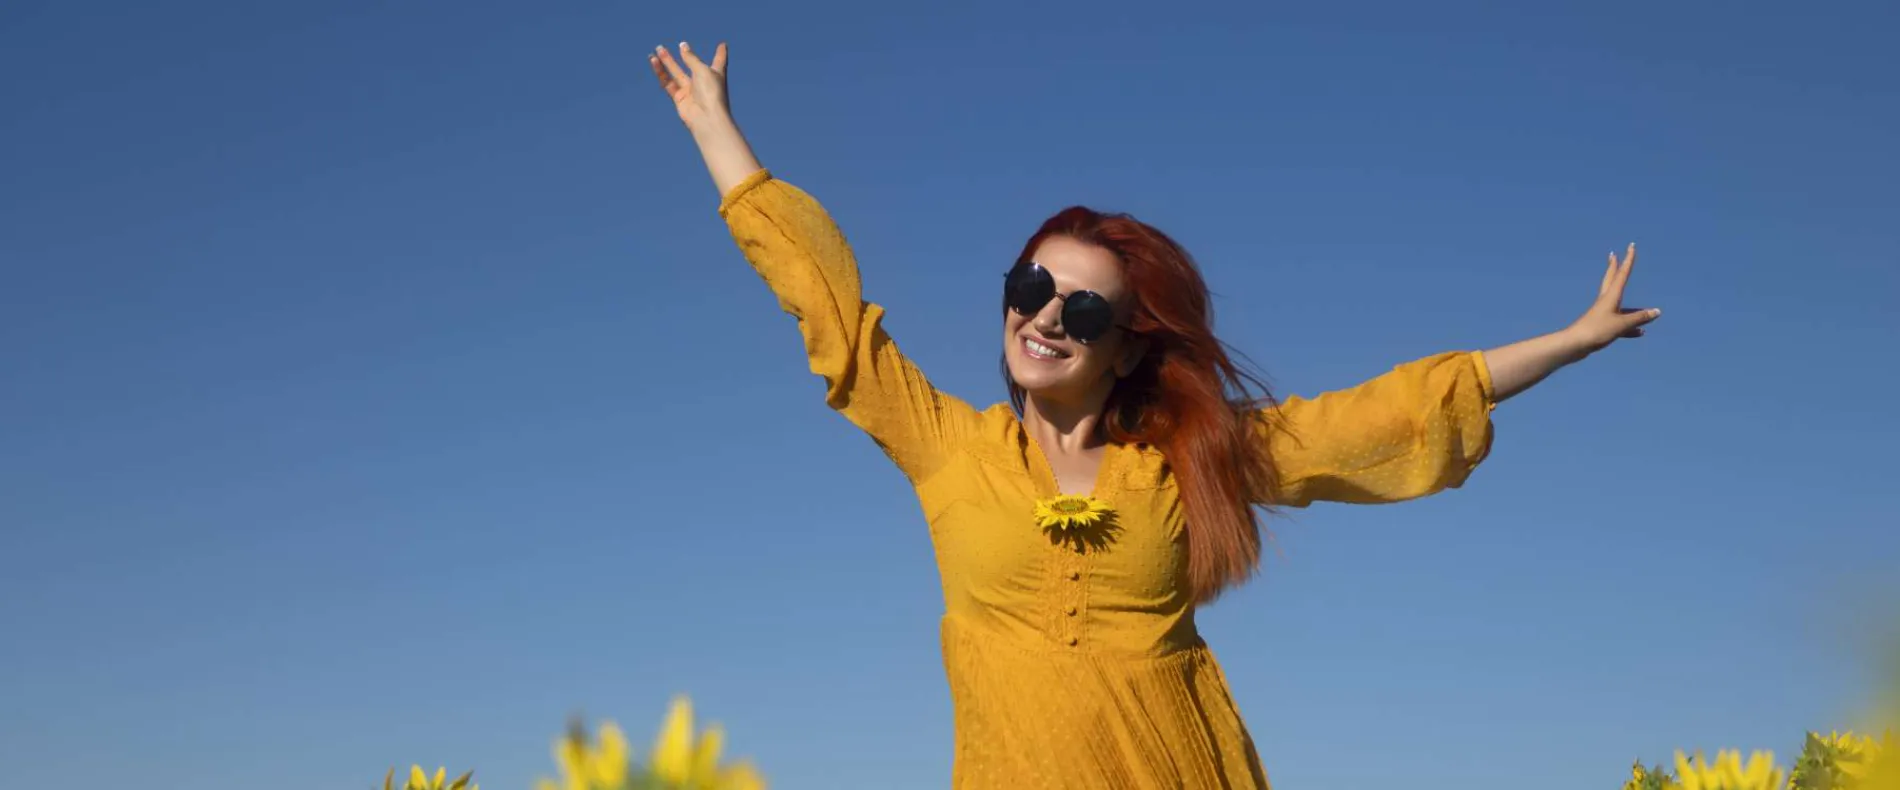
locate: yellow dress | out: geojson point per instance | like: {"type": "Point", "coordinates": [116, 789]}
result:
{"type": "Point", "coordinates": [1083, 668]}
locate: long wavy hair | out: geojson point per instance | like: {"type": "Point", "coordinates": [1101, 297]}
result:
{"type": "Point", "coordinates": [1187, 397]}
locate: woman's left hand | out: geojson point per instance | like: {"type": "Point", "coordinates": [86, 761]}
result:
{"type": "Point", "coordinates": [1607, 320]}
{"type": "Point", "coordinates": [1519, 366]}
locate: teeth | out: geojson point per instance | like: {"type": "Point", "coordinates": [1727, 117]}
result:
{"type": "Point", "coordinates": [1042, 349]}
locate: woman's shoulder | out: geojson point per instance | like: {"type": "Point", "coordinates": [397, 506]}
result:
{"type": "Point", "coordinates": [996, 436]}
{"type": "Point", "coordinates": [996, 427]}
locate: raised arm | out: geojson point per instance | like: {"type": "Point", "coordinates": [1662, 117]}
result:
{"type": "Point", "coordinates": [1426, 425]}
{"type": "Point", "coordinates": [798, 250]}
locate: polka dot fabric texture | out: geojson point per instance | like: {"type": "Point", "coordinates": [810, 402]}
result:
{"type": "Point", "coordinates": [1076, 664]}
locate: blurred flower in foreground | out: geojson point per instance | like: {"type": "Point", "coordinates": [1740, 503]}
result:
{"type": "Point", "coordinates": [1835, 760]}
{"type": "Point", "coordinates": [1648, 778]}
{"type": "Point", "coordinates": [1881, 770]}
{"type": "Point", "coordinates": [1728, 772]}
{"type": "Point", "coordinates": [587, 766]}
{"type": "Point", "coordinates": [1880, 767]}
{"type": "Point", "coordinates": [678, 762]}
{"type": "Point", "coordinates": [421, 781]}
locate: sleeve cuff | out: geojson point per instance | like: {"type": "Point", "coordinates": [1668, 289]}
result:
{"type": "Point", "coordinates": [743, 188]}
{"type": "Point", "coordinates": [1483, 369]}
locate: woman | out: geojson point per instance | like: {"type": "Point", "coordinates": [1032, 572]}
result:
{"type": "Point", "coordinates": [1077, 527]}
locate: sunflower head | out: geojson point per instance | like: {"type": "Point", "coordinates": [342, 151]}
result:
{"type": "Point", "coordinates": [421, 780]}
{"type": "Point", "coordinates": [1729, 772]}
{"type": "Point", "coordinates": [1837, 759]}
{"type": "Point", "coordinates": [1066, 513]}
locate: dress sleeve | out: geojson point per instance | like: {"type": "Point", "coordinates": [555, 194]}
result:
{"type": "Point", "coordinates": [799, 251]}
{"type": "Point", "coordinates": [1419, 429]}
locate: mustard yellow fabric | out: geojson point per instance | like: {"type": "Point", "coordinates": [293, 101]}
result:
{"type": "Point", "coordinates": [1079, 665]}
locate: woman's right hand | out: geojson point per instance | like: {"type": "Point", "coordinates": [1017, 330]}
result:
{"type": "Point", "coordinates": [698, 91]}
{"type": "Point", "coordinates": [700, 97]}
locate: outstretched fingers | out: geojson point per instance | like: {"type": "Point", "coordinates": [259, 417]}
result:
{"type": "Point", "coordinates": [1623, 271]}
{"type": "Point", "coordinates": [659, 73]}
{"type": "Point", "coordinates": [1609, 314]}
{"type": "Point", "coordinates": [693, 62]}
{"type": "Point", "coordinates": [716, 70]}
{"type": "Point", "coordinates": [1634, 320]}
{"type": "Point", "coordinates": [672, 67]}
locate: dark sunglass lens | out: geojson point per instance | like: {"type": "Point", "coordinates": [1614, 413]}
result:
{"type": "Point", "coordinates": [1087, 316]}
{"type": "Point", "coordinates": [1028, 288]}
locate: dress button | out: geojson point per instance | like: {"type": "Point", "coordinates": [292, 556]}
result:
{"type": "Point", "coordinates": [1071, 611]}
{"type": "Point", "coordinates": [1072, 641]}
{"type": "Point", "coordinates": [1073, 575]}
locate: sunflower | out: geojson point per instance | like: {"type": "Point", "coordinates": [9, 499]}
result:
{"type": "Point", "coordinates": [422, 781]}
{"type": "Point", "coordinates": [586, 766]}
{"type": "Point", "coordinates": [1852, 754]}
{"type": "Point", "coordinates": [1065, 513]}
{"type": "Point", "coordinates": [679, 760]}
{"type": "Point", "coordinates": [1729, 772]}
{"type": "Point", "coordinates": [1654, 778]}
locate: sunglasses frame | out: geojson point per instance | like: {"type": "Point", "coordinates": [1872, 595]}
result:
{"type": "Point", "coordinates": [1067, 305]}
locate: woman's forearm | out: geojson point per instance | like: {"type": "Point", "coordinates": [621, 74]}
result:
{"type": "Point", "coordinates": [1518, 366]}
{"type": "Point", "coordinates": [728, 156]}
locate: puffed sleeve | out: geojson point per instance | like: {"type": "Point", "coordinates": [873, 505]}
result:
{"type": "Point", "coordinates": [793, 243]}
{"type": "Point", "coordinates": [1416, 430]}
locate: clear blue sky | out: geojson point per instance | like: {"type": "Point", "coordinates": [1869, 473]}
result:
{"type": "Point", "coordinates": [380, 386]}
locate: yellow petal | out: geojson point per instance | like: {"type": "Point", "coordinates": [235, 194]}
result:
{"type": "Point", "coordinates": [706, 757]}
{"type": "Point", "coordinates": [1689, 773]}
{"type": "Point", "coordinates": [571, 755]}
{"type": "Point", "coordinates": [417, 779]}
{"type": "Point", "coordinates": [441, 774]}
{"type": "Point", "coordinates": [389, 779]}
{"type": "Point", "coordinates": [673, 751]}
{"type": "Point", "coordinates": [741, 777]}
{"type": "Point", "coordinates": [610, 763]}
{"type": "Point", "coordinates": [1761, 766]}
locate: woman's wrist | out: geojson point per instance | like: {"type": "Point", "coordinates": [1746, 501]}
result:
{"type": "Point", "coordinates": [713, 127]}
{"type": "Point", "coordinates": [728, 156]}
{"type": "Point", "coordinates": [1573, 344]}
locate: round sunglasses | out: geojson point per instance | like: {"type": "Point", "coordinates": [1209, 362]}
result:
{"type": "Point", "coordinates": [1086, 315]}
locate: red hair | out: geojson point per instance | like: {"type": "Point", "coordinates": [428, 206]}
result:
{"type": "Point", "coordinates": [1186, 397]}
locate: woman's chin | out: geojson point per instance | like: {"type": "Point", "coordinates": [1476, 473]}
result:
{"type": "Point", "coordinates": [1031, 376]}
{"type": "Point", "coordinates": [1041, 384]}
{"type": "Point", "coordinates": [1056, 379]}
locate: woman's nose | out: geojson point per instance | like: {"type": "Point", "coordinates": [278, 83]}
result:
{"type": "Point", "coordinates": [1049, 321]}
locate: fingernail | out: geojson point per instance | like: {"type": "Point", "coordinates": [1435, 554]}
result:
{"type": "Point", "coordinates": [683, 45]}
{"type": "Point", "coordinates": [1655, 312]}
{"type": "Point", "coordinates": [659, 49]}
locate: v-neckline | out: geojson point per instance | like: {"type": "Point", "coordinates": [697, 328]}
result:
{"type": "Point", "coordinates": [1049, 485]}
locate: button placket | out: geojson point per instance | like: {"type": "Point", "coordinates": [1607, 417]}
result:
{"type": "Point", "coordinates": [1071, 597]}
{"type": "Point", "coordinates": [1067, 597]}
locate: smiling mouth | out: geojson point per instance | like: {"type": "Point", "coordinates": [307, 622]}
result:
{"type": "Point", "coordinates": [1040, 351]}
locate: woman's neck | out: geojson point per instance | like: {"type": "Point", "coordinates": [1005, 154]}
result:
{"type": "Point", "coordinates": [1066, 426]}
